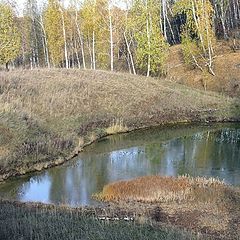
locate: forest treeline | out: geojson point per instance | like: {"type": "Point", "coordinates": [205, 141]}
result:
{"type": "Point", "coordinates": [132, 35]}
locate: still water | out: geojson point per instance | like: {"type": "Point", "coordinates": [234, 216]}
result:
{"type": "Point", "coordinates": [212, 151]}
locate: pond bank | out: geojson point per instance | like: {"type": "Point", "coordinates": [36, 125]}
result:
{"type": "Point", "coordinates": [48, 116]}
{"type": "Point", "coordinates": [217, 218]}
{"type": "Point", "coordinates": [209, 150]}
{"type": "Point", "coordinates": [41, 221]}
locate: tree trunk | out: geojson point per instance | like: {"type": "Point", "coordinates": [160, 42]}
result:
{"type": "Point", "coordinates": [65, 40]}
{"type": "Point", "coordinates": [111, 37]}
{"type": "Point", "coordinates": [149, 47]}
{"type": "Point", "coordinates": [222, 17]}
{"type": "Point", "coordinates": [45, 41]}
{"type": "Point", "coordinates": [129, 53]}
{"type": "Point", "coordinates": [90, 51]}
{"type": "Point", "coordinates": [35, 50]}
{"type": "Point", "coordinates": [197, 25]}
{"type": "Point", "coordinates": [164, 12]}
{"type": "Point", "coordinates": [93, 51]}
{"type": "Point", "coordinates": [209, 42]}
{"type": "Point", "coordinates": [80, 39]}
{"type": "Point", "coordinates": [76, 52]}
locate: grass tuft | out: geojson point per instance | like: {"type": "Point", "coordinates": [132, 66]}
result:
{"type": "Point", "coordinates": [117, 126]}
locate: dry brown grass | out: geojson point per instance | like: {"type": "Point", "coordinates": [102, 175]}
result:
{"type": "Point", "coordinates": [58, 95]}
{"type": "Point", "coordinates": [153, 189]}
{"type": "Point", "coordinates": [45, 112]}
{"type": "Point", "coordinates": [199, 204]}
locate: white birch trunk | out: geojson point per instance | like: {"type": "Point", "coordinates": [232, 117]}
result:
{"type": "Point", "coordinates": [197, 25]}
{"type": "Point", "coordinates": [93, 51]}
{"type": "Point", "coordinates": [164, 12]}
{"type": "Point", "coordinates": [76, 52]}
{"type": "Point", "coordinates": [65, 40]}
{"type": "Point", "coordinates": [149, 46]}
{"type": "Point", "coordinates": [130, 54]}
{"type": "Point", "coordinates": [46, 43]}
{"type": "Point", "coordinates": [81, 40]}
{"type": "Point", "coordinates": [111, 37]}
{"type": "Point", "coordinates": [209, 42]}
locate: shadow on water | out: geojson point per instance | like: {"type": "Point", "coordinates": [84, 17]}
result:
{"type": "Point", "coordinates": [212, 151]}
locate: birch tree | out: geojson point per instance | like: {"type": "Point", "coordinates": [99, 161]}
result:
{"type": "Point", "coordinates": [90, 28]}
{"type": "Point", "coordinates": [9, 36]}
{"type": "Point", "coordinates": [198, 37]}
{"type": "Point", "coordinates": [61, 10]}
{"type": "Point", "coordinates": [152, 49]}
{"type": "Point", "coordinates": [34, 33]}
{"type": "Point", "coordinates": [111, 34]}
{"type": "Point", "coordinates": [128, 34]}
{"type": "Point", "coordinates": [78, 23]}
{"type": "Point", "coordinates": [54, 31]}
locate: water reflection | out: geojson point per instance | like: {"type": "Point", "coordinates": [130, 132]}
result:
{"type": "Point", "coordinates": [197, 151]}
{"type": "Point", "coordinates": [37, 189]}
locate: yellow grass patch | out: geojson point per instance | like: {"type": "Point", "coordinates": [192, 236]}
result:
{"type": "Point", "coordinates": [117, 126]}
{"type": "Point", "coordinates": [3, 151]}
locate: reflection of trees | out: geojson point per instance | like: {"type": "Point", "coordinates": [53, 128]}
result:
{"type": "Point", "coordinates": [219, 149]}
{"type": "Point", "coordinates": [211, 153]}
{"type": "Point", "coordinates": [208, 153]}
{"type": "Point", "coordinates": [127, 163]}
{"type": "Point", "coordinates": [75, 184]}
{"type": "Point", "coordinates": [58, 185]}
{"type": "Point", "coordinates": [204, 153]}
{"type": "Point", "coordinates": [146, 137]}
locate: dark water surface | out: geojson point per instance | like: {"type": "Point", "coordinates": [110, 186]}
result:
{"type": "Point", "coordinates": [212, 151]}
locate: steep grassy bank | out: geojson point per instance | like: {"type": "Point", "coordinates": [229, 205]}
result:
{"type": "Point", "coordinates": [39, 221]}
{"type": "Point", "coordinates": [48, 115]}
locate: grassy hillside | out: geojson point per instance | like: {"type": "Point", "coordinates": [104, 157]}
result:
{"type": "Point", "coordinates": [47, 115]}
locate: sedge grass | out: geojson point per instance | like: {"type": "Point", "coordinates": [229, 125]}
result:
{"type": "Point", "coordinates": [42, 222]}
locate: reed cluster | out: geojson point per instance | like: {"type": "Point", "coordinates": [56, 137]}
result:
{"type": "Point", "coordinates": [152, 189]}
